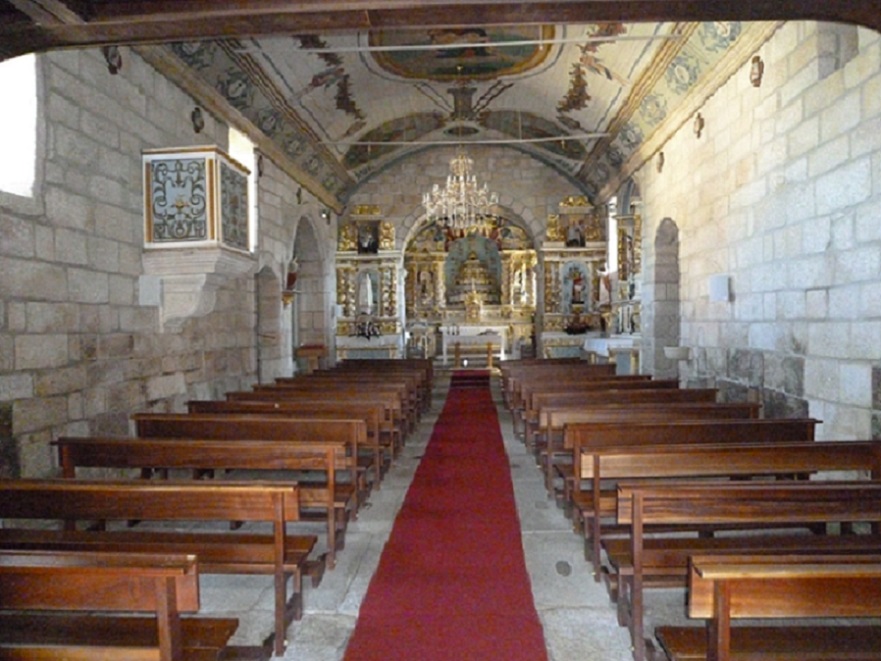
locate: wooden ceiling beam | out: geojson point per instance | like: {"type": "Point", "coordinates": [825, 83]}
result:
{"type": "Point", "coordinates": [49, 12]}
{"type": "Point", "coordinates": [98, 22]}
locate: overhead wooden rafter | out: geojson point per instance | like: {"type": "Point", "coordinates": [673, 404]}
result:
{"type": "Point", "coordinates": [38, 25]}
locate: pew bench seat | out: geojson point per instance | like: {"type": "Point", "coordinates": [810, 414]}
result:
{"type": "Point", "coordinates": [665, 558]}
{"type": "Point", "coordinates": [172, 507]}
{"type": "Point", "coordinates": [707, 503]}
{"type": "Point", "coordinates": [126, 638]}
{"type": "Point", "coordinates": [788, 589]}
{"type": "Point", "coordinates": [775, 643]}
{"type": "Point", "coordinates": [80, 606]}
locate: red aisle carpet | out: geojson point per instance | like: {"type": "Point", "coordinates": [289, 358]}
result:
{"type": "Point", "coordinates": [452, 582]}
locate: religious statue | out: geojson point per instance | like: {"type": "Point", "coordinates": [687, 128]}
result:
{"type": "Point", "coordinates": [426, 287]}
{"type": "Point", "coordinates": [575, 234]}
{"type": "Point", "coordinates": [473, 305]}
{"type": "Point", "coordinates": [368, 242]}
{"type": "Point", "coordinates": [577, 287]}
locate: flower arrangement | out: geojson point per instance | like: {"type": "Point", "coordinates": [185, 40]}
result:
{"type": "Point", "coordinates": [576, 326]}
{"type": "Point", "coordinates": [366, 328]}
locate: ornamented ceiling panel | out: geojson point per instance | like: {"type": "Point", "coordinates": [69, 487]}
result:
{"type": "Point", "coordinates": [581, 98]}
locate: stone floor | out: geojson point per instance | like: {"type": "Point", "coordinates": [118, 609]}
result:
{"type": "Point", "coordinates": [578, 618]}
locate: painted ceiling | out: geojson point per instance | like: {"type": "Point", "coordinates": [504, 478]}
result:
{"type": "Point", "coordinates": [582, 98]}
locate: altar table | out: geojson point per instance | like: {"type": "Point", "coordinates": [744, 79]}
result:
{"type": "Point", "coordinates": [489, 340]}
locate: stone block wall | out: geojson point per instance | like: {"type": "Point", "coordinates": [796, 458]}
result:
{"type": "Point", "coordinates": [78, 352]}
{"type": "Point", "coordinates": [782, 191]}
{"type": "Point", "coordinates": [291, 223]}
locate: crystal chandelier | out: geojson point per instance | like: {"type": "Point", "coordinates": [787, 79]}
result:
{"type": "Point", "coordinates": [461, 203]}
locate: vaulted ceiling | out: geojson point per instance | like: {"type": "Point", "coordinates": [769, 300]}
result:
{"type": "Point", "coordinates": [334, 91]}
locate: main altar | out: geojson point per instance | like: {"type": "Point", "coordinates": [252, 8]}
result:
{"type": "Point", "coordinates": [472, 288]}
{"type": "Point", "coordinates": [489, 291]}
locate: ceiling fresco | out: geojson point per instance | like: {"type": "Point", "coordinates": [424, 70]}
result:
{"type": "Point", "coordinates": [582, 98]}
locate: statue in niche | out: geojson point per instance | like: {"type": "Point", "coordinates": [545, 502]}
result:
{"type": "Point", "coordinates": [577, 288]}
{"type": "Point", "coordinates": [426, 287]}
{"type": "Point", "coordinates": [368, 293]}
{"type": "Point", "coordinates": [575, 233]}
{"type": "Point", "coordinates": [368, 239]}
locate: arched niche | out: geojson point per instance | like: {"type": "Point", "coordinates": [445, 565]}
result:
{"type": "Point", "coordinates": [664, 309]}
{"type": "Point", "coordinates": [310, 307]}
{"type": "Point", "coordinates": [271, 358]}
{"type": "Point", "coordinates": [369, 292]}
{"type": "Point", "coordinates": [441, 264]}
{"type": "Point", "coordinates": [473, 264]}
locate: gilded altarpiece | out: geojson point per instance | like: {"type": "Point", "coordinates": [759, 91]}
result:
{"type": "Point", "coordinates": [368, 322]}
{"type": "Point", "coordinates": [626, 303]}
{"type": "Point", "coordinates": [470, 281]}
{"type": "Point", "coordinates": [573, 259]}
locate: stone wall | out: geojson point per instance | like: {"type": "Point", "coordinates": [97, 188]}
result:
{"type": "Point", "coordinates": [782, 191]}
{"type": "Point", "coordinates": [78, 351]}
{"type": "Point", "coordinates": [291, 223]}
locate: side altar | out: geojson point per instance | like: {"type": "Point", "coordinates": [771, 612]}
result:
{"type": "Point", "coordinates": [368, 314]}
{"type": "Point", "coordinates": [575, 288]}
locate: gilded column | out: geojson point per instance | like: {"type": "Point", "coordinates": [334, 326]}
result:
{"type": "Point", "coordinates": [441, 285]}
{"type": "Point", "coordinates": [507, 295]}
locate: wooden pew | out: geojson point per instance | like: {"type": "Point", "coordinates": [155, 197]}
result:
{"type": "Point", "coordinates": [366, 378]}
{"type": "Point", "coordinates": [760, 505]}
{"type": "Point", "coordinates": [195, 454]}
{"type": "Point", "coordinates": [524, 400]}
{"type": "Point", "coordinates": [623, 396]}
{"type": "Point", "coordinates": [379, 443]}
{"type": "Point", "coordinates": [343, 386]}
{"type": "Point", "coordinates": [422, 366]}
{"type": "Point", "coordinates": [553, 419]}
{"type": "Point", "coordinates": [511, 366]}
{"type": "Point", "coordinates": [727, 588]}
{"type": "Point", "coordinates": [274, 554]}
{"type": "Point", "coordinates": [44, 594]}
{"type": "Point", "coordinates": [393, 423]}
{"type": "Point", "coordinates": [586, 440]}
{"type": "Point", "coordinates": [552, 422]}
{"type": "Point", "coordinates": [353, 373]}
{"type": "Point", "coordinates": [726, 461]}
{"type": "Point", "coordinates": [547, 372]}
{"type": "Point", "coordinates": [247, 428]}
{"type": "Point", "coordinates": [538, 397]}
{"type": "Point", "coordinates": [523, 384]}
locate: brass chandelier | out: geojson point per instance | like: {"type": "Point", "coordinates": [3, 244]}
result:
{"type": "Point", "coordinates": [461, 204]}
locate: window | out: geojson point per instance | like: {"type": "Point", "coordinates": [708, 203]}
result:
{"type": "Point", "coordinates": [242, 149]}
{"type": "Point", "coordinates": [18, 126]}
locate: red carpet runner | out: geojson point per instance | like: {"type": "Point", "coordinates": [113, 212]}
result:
{"type": "Point", "coordinates": [452, 581]}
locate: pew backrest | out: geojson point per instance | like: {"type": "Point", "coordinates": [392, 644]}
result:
{"type": "Point", "coordinates": [37, 582]}
{"type": "Point", "coordinates": [606, 434]}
